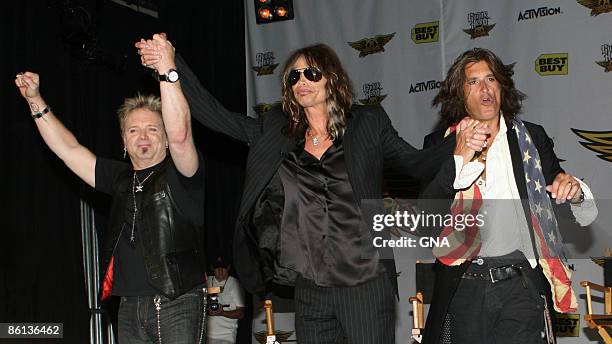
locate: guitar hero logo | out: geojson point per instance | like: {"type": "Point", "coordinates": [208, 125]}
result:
{"type": "Point", "coordinates": [373, 94]}
{"type": "Point", "coordinates": [265, 63]}
{"type": "Point", "coordinates": [479, 24]}
{"type": "Point", "coordinates": [606, 52]}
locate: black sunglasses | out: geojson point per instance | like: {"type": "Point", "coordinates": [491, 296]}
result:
{"type": "Point", "coordinates": [311, 73]}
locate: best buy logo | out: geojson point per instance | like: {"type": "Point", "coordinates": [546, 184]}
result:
{"type": "Point", "coordinates": [552, 64]}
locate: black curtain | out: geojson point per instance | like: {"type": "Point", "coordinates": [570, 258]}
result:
{"type": "Point", "coordinates": [83, 50]}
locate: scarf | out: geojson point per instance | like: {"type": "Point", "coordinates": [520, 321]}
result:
{"type": "Point", "coordinates": [465, 244]}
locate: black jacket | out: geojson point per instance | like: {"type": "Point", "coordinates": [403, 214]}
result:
{"type": "Point", "coordinates": [370, 144]}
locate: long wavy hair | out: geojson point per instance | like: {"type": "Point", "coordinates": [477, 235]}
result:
{"type": "Point", "coordinates": [451, 96]}
{"type": "Point", "coordinates": [339, 90]}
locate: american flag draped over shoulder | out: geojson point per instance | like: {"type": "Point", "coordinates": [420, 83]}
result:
{"type": "Point", "coordinates": [464, 245]}
{"type": "Point", "coordinates": [549, 245]}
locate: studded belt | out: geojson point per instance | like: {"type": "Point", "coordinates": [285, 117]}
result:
{"type": "Point", "coordinates": [495, 275]}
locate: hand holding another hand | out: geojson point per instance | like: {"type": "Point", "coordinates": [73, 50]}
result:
{"type": "Point", "coordinates": [471, 138]}
{"type": "Point", "coordinates": [156, 53]}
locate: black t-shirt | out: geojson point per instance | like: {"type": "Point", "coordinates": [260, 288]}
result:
{"type": "Point", "coordinates": [129, 274]}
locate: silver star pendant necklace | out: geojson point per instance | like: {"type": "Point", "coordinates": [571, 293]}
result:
{"type": "Point", "coordinates": [137, 188]}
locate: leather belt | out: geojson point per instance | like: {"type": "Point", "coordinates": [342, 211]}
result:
{"type": "Point", "coordinates": [495, 274]}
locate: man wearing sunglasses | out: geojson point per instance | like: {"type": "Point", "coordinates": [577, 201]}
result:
{"type": "Point", "coordinates": [310, 165]}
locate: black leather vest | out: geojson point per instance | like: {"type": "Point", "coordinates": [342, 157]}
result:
{"type": "Point", "coordinates": [169, 243]}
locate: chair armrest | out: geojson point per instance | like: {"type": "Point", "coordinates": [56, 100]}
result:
{"type": "Point", "coordinates": [593, 285]}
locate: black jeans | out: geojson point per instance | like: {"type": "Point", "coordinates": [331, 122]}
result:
{"type": "Point", "coordinates": [360, 314]}
{"type": "Point", "coordinates": [181, 320]}
{"type": "Point", "coordinates": [508, 311]}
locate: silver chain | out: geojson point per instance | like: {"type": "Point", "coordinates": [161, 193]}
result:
{"type": "Point", "coordinates": [203, 327]}
{"type": "Point", "coordinates": [136, 188]}
{"type": "Point", "coordinates": [157, 302]}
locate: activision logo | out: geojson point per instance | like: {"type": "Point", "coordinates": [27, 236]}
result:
{"type": "Point", "coordinates": [538, 12]}
{"type": "Point", "coordinates": [425, 86]}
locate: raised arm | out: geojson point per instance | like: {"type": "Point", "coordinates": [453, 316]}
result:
{"type": "Point", "coordinates": [204, 107]}
{"type": "Point", "coordinates": [175, 112]}
{"type": "Point", "coordinates": [59, 139]}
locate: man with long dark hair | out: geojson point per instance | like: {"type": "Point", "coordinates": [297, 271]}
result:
{"type": "Point", "coordinates": [310, 165]}
{"type": "Point", "coordinates": [500, 281]}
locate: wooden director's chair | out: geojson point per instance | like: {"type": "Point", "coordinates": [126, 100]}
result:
{"type": "Point", "coordinates": [424, 280]}
{"type": "Point", "coordinates": [601, 322]}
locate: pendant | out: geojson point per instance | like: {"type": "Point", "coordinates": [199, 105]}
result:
{"type": "Point", "coordinates": [315, 141]}
{"type": "Point", "coordinates": [139, 188]}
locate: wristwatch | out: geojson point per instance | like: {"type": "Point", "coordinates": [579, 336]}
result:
{"type": "Point", "coordinates": [170, 76]}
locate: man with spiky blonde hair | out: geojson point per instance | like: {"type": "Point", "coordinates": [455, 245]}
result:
{"type": "Point", "coordinates": [153, 247]}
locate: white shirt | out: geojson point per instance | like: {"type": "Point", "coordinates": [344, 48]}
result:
{"type": "Point", "coordinates": [506, 228]}
{"type": "Point", "coordinates": [220, 327]}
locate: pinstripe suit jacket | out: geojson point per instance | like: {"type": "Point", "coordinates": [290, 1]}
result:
{"type": "Point", "coordinates": [370, 144]}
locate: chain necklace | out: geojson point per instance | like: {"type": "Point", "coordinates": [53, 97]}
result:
{"type": "Point", "coordinates": [315, 139]}
{"type": "Point", "coordinates": [135, 189]}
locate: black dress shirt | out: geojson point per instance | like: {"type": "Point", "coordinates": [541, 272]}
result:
{"type": "Point", "coordinates": [322, 236]}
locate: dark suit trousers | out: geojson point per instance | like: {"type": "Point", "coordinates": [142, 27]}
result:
{"type": "Point", "coordinates": [508, 311]}
{"type": "Point", "coordinates": [362, 314]}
